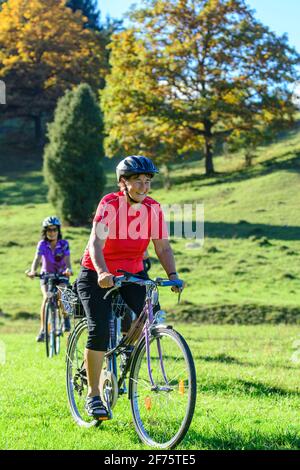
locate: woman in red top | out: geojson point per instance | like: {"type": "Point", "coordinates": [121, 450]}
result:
{"type": "Point", "coordinates": [123, 226]}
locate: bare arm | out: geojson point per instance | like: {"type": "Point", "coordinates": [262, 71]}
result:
{"type": "Point", "coordinates": [96, 244]}
{"type": "Point", "coordinates": [165, 255]}
{"type": "Point", "coordinates": [35, 264]}
{"type": "Point", "coordinates": [68, 270]}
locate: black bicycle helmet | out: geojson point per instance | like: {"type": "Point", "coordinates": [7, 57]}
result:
{"type": "Point", "coordinates": [52, 220]}
{"type": "Point", "coordinates": [134, 165]}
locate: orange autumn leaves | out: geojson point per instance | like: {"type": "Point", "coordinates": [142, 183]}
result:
{"type": "Point", "coordinates": [45, 48]}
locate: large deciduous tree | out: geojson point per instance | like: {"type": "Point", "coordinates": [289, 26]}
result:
{"type": "Point", "coordinates": [72, 161]}
{"type": "Point", "coordinates": [45, 49]}
{"type": "Point", "coordinates": [89, 9]}
{"type": "Point", "coordinates": [191, 71]}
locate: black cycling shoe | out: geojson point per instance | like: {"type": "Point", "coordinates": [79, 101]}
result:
{"type": "Point", "coordinates": [95, 408]}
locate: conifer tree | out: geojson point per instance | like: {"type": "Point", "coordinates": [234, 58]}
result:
{"type": "Point", "coordinates": [72, 160]}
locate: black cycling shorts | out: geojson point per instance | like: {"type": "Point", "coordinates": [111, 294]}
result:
{"type": "Point", "coordinates": [98, 310]}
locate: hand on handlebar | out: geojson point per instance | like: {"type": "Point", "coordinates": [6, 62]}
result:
{"type": "Point", "coordinates": [68, 272]}
{"type": "Point", "coordinates": [106, 280]}
{"type": "Point", "coordinates": [30, 274]}
{"type": "Point", "coordinates": [176, 289]}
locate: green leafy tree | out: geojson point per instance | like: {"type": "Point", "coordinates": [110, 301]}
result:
{"type": "Point", "coordinates": [72, 160]}
{"type": "Point", "coordinates": [261, 128]}
{"type": "Point", "coordinates": [191, 72]}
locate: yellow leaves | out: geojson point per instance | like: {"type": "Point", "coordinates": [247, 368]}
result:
{"type": "Point", "coordinates": [32, 25]}
{"type": "Point", "coordinates": [268, 116]}
{"type": "Point", "coordinates": [232, 97]}
{"type": "Point", "coordinates": [10, 61]}
{"type": "Point", "coordinates": [45, 45]}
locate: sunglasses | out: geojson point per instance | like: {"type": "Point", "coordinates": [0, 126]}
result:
{"type": "Point", "coordinates": [52, 230]}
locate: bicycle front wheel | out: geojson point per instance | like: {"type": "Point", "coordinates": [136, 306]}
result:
{"type": "Point", "coordinates": [162, 411]}
{"type": "Point", "coordinates": [50, 329]}
{"type": "Point", "coordinates": [77, 385]}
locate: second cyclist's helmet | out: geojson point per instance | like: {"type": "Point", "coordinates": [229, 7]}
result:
{"type": "Point", "coordinates": [134, 165]}
{"type": "Point", "coordinates": [52, 220]}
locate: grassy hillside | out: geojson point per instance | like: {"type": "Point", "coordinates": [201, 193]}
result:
{"type": "Point", "coordinates": [250, 258]}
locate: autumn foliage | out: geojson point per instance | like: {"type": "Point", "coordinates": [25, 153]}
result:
{"type": "Point", "coordinates": [189, 72]}
{"type": "Point", "coordinates": [45, 49]}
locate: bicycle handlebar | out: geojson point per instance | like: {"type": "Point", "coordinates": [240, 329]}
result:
{"type": "Point", "coordinates": [136, 279]}
{"type": "Point", "coordinates": [47, 276]}
{"type": "Point", "coordinates": [119, 280]}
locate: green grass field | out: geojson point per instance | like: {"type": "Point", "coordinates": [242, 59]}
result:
{"type": "Point", "coordinates": [248, 393]}
{"type": "Point", "coordinates": [248, 386]}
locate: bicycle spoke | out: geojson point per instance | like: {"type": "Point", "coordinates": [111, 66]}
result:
{"type": "Point", "coordinates": [162, 412]}
{"type": "Point", "coordinates": [76, 377]}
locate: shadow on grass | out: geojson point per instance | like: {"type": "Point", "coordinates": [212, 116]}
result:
{"type": "Point", "coordinates": [289, 161]}
{"type": "Point", "coordinates": [23, 189]}
{"type": "Point", "coordinates": [244, 229]}
{"type": "Point", "coordinates": [244, 387]}
{"type": "Point", "coordinates": [240, 230]}
{"type": "Point", "coordinates": [234, 440]}
{"type": "Point", "coordinates": [223, 359]}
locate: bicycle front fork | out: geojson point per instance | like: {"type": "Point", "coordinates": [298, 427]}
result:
{"type": "Point", "coordinates": [154, 386]}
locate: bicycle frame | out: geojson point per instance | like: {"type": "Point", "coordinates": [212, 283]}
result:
{"type": "Point", "coordinates": [150, 352]}
{"type": "Point", "coordinates": [148, 312]}
{"type": "Point", "coordinates": [53, 280]}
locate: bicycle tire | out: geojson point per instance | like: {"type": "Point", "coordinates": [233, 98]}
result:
{"type": "Point", "coordinates": [50, 329]}
{"type": "Point", "coordinates": [58, 330]}
{"type": "Point", "coordinates": [77, 392]}
{"type": "Point", "coordinates": [148, 425]}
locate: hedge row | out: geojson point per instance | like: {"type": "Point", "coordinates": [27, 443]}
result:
{"type": "Point", "coordinates": [243, 314]}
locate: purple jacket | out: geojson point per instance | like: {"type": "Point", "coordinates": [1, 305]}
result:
{"type": "Point", "coordinates": [53, 261]}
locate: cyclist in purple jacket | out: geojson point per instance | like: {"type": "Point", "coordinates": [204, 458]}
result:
{"type": "Point", "coordinates": [54, 253]}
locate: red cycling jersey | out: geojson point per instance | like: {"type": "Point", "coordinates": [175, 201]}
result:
{"type": "Point", "coordinates": [129, 231]}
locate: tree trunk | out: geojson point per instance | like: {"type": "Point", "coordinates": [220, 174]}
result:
{"type": "Point", "coordinates": [248, 158]}
{"type": "Point", "coordinates": [166, 174]}
{"type": "Point", "coordinates": [209, 166]}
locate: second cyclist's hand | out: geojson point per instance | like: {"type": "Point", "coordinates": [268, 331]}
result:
{"type": "Point", "coordinates": [106, 280]}
{"type": "Point", "coordinates": [68, 272]}
{"type": "Point", "coordinates": [30, 274]}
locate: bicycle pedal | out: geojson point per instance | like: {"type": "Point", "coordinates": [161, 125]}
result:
{"type": "Point", "coordinates": [105, 418]}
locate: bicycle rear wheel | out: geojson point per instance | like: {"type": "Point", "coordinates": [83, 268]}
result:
{"type": "Point", "coordinates": [162, 413]}
{"type": "Point", "coordinates": [58, 331]}
{"type": "Point", "coordinates": [50, 329]}
{"type": "Point", "coordinates": [76, 379]}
